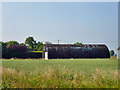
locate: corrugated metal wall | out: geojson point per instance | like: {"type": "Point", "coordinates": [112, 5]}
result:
{"type": "Point", "coordinates": [76, 51]}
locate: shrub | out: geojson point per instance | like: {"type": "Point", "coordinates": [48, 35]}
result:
{"type": "Point", "coordinates": [17, 48]}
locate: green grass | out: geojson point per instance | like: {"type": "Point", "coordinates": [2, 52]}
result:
{"type": "Point", "coordinates": [86, 65]}
{"type": "Point", "coordinates": [60, 73]}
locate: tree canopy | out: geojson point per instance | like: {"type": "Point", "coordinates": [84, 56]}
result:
{"type": "Point", "coordinates": [112, 53]}
{"type": "Point", "coordinates": [30, 42]}
{"type": "Point", "coordinates": [47, 42]}
{"type": "Point", "coordinates": [33, 45]}
{"type": "Point", "coordinates": [11, 43]}
{"type": "Point", "coordinates": [78, 43]}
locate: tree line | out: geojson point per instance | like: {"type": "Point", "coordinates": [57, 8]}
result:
{"type": "Point", "coordinates": [30, 44]}
{"type": "Point", "coordinates": [14, 49]}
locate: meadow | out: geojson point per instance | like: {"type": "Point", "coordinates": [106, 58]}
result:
{"type": "Point", "coordinates": [60, 73]}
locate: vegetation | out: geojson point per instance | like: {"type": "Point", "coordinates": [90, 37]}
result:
{"type": "Point", "coordinates": [13, 49]}
{"type": "Point", "coordinates": [39, 46]}
{"type": "Point", "coordinates": [30, 43]}
{"type": "Point", "coordinates": [33, 45]}
{"type": "Point", "coordinates": [11, 43]}
{"type": "Point", "coordinates": [112, 53]}
{"type": "Point", "coordinates": [47, 42]}
{"type": "Point", "coordinates": [60, 73]}
{"type": "Point", "coordinates": [17, 48]}
{"type": "Point", "coordinates": [35, 51]}
{"type": "Point", "coordinates": [77, 43]}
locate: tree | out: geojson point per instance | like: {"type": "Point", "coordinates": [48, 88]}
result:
{"type": "Point", "coordinates": [30, 42]}
{"type": "Point", "coordinates": [112, 53]}
{"type": "Point", "coordinates": [11, 43]}
{"type": "Point", "coordinates": [22, 44]}
{"type": "Point", "coordinates": [1, 45]}
{"type": "Point", "coordinates": [0, 49]}
{"type": "Point", "coordinates": [77, 43]}
{"type": "Point", "coordinates": [5, 50]}
{"type": "Point", "coordinates": [47, 42]}
{"type": "Point", "coordinates": [39, 46]}
{"type": "Point", "coordinates": [17, 48]}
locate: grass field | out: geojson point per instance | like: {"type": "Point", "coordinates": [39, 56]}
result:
{"type": "Point", "coordinates": [60, 73]}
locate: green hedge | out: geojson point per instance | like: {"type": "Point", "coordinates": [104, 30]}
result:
{"type": "Point", "coordinates": [22, 55]}
{"type": "Point", "coordinates": [35, 51]}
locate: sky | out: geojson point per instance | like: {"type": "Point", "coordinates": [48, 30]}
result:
{"type": "Point", "coordinates": [69, 22]}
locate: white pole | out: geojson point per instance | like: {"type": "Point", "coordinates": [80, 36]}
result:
{"type": "Point", "coordinates": [46, 55]}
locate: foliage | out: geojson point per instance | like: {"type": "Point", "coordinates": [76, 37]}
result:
{"type": "Point", "coordinates": [33, 45]}
{"type": "Point", "coordinates": [36, 51]}
{"type": "Point", "coordinates": [22, 43]}
{"type": "Point", "coordinates": [11, 43]}
{"type": "Point", "coordinates": [5, 47]}
{"type": "Point", "coordinates": [39, 46]}
{"type": "Point", "coordinates": [30, 42]}
{"type": "Point", "coordinates": [47, 42]}
{"type": "Point", "coordinates": [23, 55]}
{"type": "Point", "coordinates": [12, 49]}
{"type": "Point", "coordinates": [0, 49]}
{"type": "Point", "coordinates": [5, 50]}
{"type": "Point", "coordinates": [112, 53]}
{"type": "Point", "coordinates": [77, 43]}
{"type": "Point", "coordinates": [17, 48]}
{"type": "Point", "coordinates": [1, 43]}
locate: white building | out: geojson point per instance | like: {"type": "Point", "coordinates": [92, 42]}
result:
{"type": "Point", "coordinates": [118, 53]}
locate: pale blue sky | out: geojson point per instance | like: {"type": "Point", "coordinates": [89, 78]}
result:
{"type": "Point", "coordinates": [86, 22]}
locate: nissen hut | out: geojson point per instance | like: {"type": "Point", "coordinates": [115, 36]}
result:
{"type": "Point", "coordinates": [64, 51]}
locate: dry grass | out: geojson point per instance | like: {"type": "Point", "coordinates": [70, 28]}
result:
{"type": "Point", "coordinates": [57, 73]}
{"type": "Point", "coordinates": [113, 57]}
{"type": "Point", "coordinates": [58, 78]}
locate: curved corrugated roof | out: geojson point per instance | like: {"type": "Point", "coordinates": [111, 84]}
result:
{"type": "Point", "coordinates": [76, 51]}
{"type": "Point", "coordinates": [74, 45]}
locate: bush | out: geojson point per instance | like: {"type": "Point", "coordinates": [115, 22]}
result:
{"type": "Point", "coordinates": [22, 55]}
{"type": "Point", "coordinates": [33, 55]}
{"type": "Point", "coordinates": [19, 51]}
{"type": "Point", "coordinates": [17, 48]}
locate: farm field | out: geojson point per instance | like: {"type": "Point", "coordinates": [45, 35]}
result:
{"type": "Point", "coordinates": [60, 73]}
